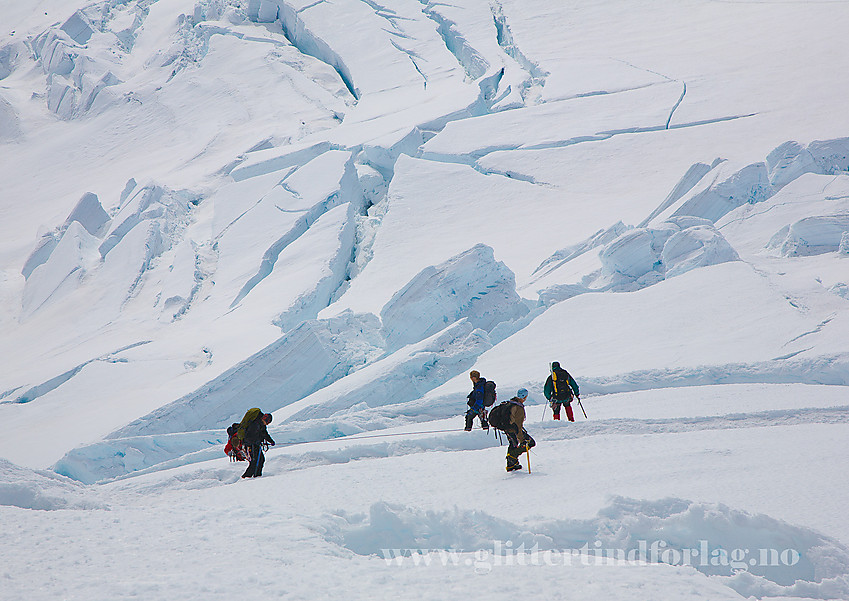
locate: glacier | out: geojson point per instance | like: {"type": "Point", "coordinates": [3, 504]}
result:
{"type": "Point", "coordinates": [334, 210]}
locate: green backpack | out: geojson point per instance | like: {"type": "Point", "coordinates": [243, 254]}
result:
{"type": "Point", "coordinates": [251, 416]}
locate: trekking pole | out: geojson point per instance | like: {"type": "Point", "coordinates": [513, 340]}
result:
{"type": "Point", "coordinates": [542, 419]}
{"type": "Point", "coordinates": [528, 453]}
{"type": "Point", "coordinates": [582, 407]}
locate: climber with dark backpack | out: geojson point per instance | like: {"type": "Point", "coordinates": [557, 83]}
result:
{"type": "Point", "coordinates": [483, 395]}
{"type": "Point", "coordinates": [509, 417]}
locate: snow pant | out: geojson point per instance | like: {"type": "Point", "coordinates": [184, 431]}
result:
{"type": "Point", "coordinates": [257, 461]}
{"type": "Point", "coordinates": [514, 447]}
{"type": "Point", "coordinates": [470, 417]}
{"type": "Point", "coordinates": [555, 406]}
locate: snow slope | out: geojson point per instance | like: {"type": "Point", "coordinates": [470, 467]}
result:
{"type": "Point", "coordinates": [334, 210]}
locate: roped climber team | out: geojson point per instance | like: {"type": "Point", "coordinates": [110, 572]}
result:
{"type": "Point", "coordinates": [249, 437]}
{"type": "Point", "coordinates": [509, 417]}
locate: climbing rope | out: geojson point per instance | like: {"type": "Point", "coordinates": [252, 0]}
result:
{"type": "Point", "coordinates": [363, 437]}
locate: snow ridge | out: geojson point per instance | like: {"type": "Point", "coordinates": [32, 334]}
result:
{"type": "Point", "coordinates": [684, 526]}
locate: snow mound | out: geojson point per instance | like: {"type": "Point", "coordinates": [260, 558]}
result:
{"type": "Point", "coordinates": [44, 490]}
{"type": "Point", "coordinates": [635, 253]}
{"type": "Point", "coordinates": [88, 212]}
{"type": "Point", "coordinates": [753, 554]}
{"type": "Point", "coordinates": [721, 190]}
{"type": "Point", "coordinates": [472, 285]}
{"type": "Point", "coordinates": [831, 156]}
{"type": "Point", "coordinates": [644, 256]}
{"type": "Point", "coordinates": [561, 292]}
{"type": "Point", "coordinates": [694, 247]}
{"type": "Point", "coordinates": [806, 217]}
{"type": "Point", "coordinates": [69, 260]}
{"type": "Point", "coordinates": [812, 236]}
{"type": "Point", "coordinates": [788, 162]}
{"type": "Point", "coordinates": [791, 160]}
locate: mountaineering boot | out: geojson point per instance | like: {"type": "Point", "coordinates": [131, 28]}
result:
{"type": "Point", "coordinates": [513, 463]}
{"type": "Point", "coordinates": [484, 424]}
{"type": "Point", "coordinates": [557, 417]}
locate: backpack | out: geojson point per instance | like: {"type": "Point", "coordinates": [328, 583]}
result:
{"type": "Point", "coordinates": [234, 448]}
{"type": "Point", "coordinates": [489, 394]}
{"type": "Point", "coordinates": [499, 417]}
{"type": "Point", "coordinates": [251, 416]}
{"type": "Point", "coordinates": [560, 382]}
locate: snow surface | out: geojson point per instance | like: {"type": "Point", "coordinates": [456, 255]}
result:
{"type": "Point", "coordinates": [334, 210]}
